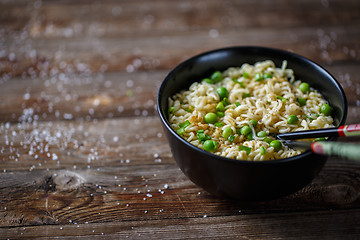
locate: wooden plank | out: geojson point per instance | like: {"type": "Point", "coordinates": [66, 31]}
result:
{"type": "Point", "coordinates": [110, 94]}
{"type": "Point", "coordinates": [136, 167]}
{"type": "Point", "coordinates": [83, 17]}
{"type": "Point", "coordinates": [346, 75]}
{"type": "Point", "coordinates": [118, 50]}
{"type": "Point", "coordinates": [165, 50]}
{"type": "Point", "coordinates": [83, 144]}
{"type": "Point", "coordinates": [323, 224]}
{"type": "Point", "coordinates": [75, 96]}
{"type": "Point", "coordinates": [150, 192]}
{"type": "Point", "coordinates": [89, 144]}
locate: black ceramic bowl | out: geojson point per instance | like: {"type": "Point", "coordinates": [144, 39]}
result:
{"type": "Point", "coordinates": [247, 180]}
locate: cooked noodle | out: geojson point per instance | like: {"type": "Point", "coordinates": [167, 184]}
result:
{"type": "Point", "coordinates": [268, 101]}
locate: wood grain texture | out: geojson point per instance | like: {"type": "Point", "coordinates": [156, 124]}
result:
{"type": "Point", "coordinates": [82, 151]}
{"type": "Point", "coordinates": [110, 94]}
{"type": "Point", "coordinates": [74, 96]}
{"type": "Point", "coordinates": [125, 51]}
{"type": "Point", "coordinates": [257, 226]}
{"type": "Point", "coordinates": [152, 191]}
{"type": "Point", "coordinates": [89, 144]}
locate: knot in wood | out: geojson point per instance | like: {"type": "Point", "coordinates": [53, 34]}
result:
{"type": "Point", "coordinates": [340, 194]}
{"type": "Point", "coordinates": [66, 180]}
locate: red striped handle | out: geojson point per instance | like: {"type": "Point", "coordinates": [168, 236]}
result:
{"type": "Point", "coordinates": [349, 130]}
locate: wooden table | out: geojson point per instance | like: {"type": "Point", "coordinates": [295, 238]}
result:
{"type": "Point", "coordinates": [83, 155]}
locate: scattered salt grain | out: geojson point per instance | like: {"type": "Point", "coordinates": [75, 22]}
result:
{"type": "Point", "coordinates": [120, 108]}
{"type": "Point", "coordinates": [129, 83]}
{"type": "Point", "coordinates": [54, 157]}
{"type": "Point", "coordinates": [12, 57]}
{"type": "Point", "coordinates": [213, 33]}
{"type": "Point", "coordinates": [68, 116]}
{"type": "Point", "coordinates": [26, 96]}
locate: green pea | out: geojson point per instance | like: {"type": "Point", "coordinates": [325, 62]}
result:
{"type": "Point", "coordinates": [304, 87]}
{"type": "Point", "coordinates": [261, 134]}
{"type": "Point", "coordinates": [250, 136]}
{"type": "Point", "coordinates": [208, 80]}
{"type": "Point", "coordinates": [223, 92]}
{"type": "Point", "coordinates": [267, 75]}
{"type": "Point", "coordinates": [302, 101]}
{"type": "Point", "coordinates": [326, 109]}
{"type": "Point", "coordinates": [292, 119]}
{"type": "Point", "coordinates": [262, 150]}
{"type": "Point", "coordinates": [220, 107]}
{"type": "Point", "coordinates": [211, 118]}
{"type": "Point", "coordinates": [245, 130]}
{"type": "Point", "coordinates": [220, 114]}
{"type": "Point", "coordinates": [253, 122]}
{"type": "Point", "coordinates": [227, 132]}
{"type": "Point", "coordinates": [225, 101]}
{"type": "Point", "coordinates": [276, 144]}
{"type": "Point", "coordinates": [267, 140]}
{"type": "Point", "coordinates": [216, 76]}
{"type": "Point", "coordinates": [258, 77]}
{"type": "Point", "coordinates": [210, 145]}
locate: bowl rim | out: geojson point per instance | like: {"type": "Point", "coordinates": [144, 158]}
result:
{"type": "Point", "coordinates": [262, 48]}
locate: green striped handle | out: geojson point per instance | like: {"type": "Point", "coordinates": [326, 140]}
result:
{"type": "Point", "coordinates": [348, 150]}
